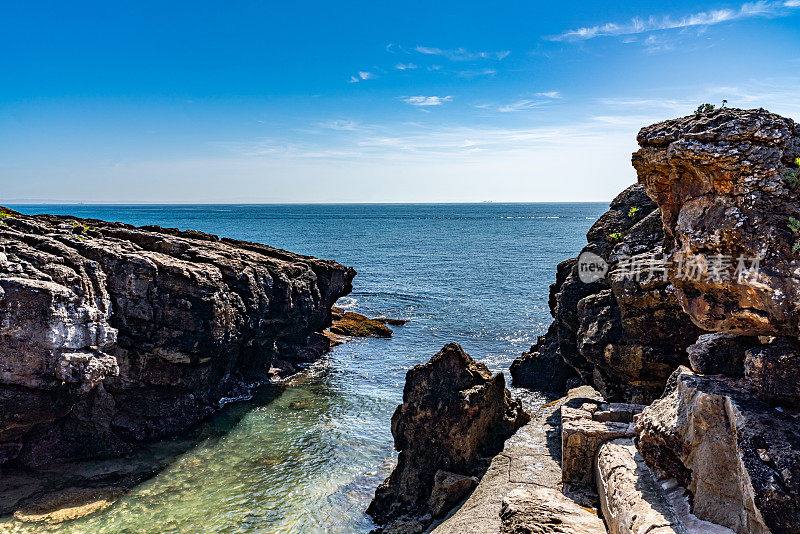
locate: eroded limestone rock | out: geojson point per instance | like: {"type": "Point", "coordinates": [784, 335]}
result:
{"type": "Point", "coordinates": [455, 416]}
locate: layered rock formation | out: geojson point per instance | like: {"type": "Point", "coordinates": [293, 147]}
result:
{"type": "Point", "coordinates": [113, 334]}
{"type": "Point", "coordinates": [455, 416]}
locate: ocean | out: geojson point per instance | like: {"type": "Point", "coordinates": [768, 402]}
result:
{"type": "Point", "coordinates": [306, 456]}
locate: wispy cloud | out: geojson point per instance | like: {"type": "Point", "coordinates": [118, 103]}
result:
{"type": "Point", "coordinates": [460, 54]}
{"type": "Point", "coordinates": [638, 25]}
{"type": "Point", "coordinates": [405, 66]}
{"type": "Point", "coordinates": [426, 100]}
{"type": "Point", "coordinates": [549, 94]}
{"type": "Point", "coordinates": [362, 75]}
{"type": "Point", "coordinates": [339, 125]}
{"type": "Point", "coordinates": [474, 73]}
{"type": "Point", "coordinates": [521, 105]}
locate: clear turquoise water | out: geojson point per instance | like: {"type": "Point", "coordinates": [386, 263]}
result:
{"type": "Point", "coordinates": [307, 457]}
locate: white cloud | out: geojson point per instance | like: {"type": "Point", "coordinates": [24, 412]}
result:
{"type": "Point", "coordinates": [426, 100]}
{"type": "Point", "coordinates": [405, 66]}
{"type": "Point", "coordinates": [706, 18]}
{"type": "Point", "coordinates": [460, 54]}
{"type": "Point", "coordinates": [550, 94]}
{"type": "Point", "coordinates": [362, 75]}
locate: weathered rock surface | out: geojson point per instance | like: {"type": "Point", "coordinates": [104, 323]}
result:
{"type": "Point", "coordinates": [603, 329]}
{"type": "Point", "coordinates": [455, 416]}
{"type": "Point", "coordinates": [719, 179]}
{"type": "Point", "coordinates": [739, 456]}
{"type": "Point", "coordinates": [113, 334]}
{"type": "Point", "coordinates": [720, 354]}
{"type": "Point", "coordinates": [634, 502]}
{"type": "Point", "coordinates": [773, 370]}
{"type": "Point", "coordinates": [546, 511]}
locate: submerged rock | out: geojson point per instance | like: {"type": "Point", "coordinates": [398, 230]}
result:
{"type": "Point", "coordinates": [113, 334]}
{"type": "Point", "coordinates": [356, 325]}
{"type": "Point", "coordinates": [455, 416]}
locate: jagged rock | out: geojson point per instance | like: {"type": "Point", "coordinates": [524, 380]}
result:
{"type": "Point", "coordinates": [604, 329]}
{"type": "Point", "coordinates": [739, 457]}
{"type": "Point", "coordinates": [720, 354]}
{"type": "Point", "coordinates": [113, 334]}
{"type": "Point", "coordinates": [543, 368]}
{"type": "Point", "coordinates": [455, 416]}
{"type": "Point", "coordinates": [774, 372]}
{"type": "Point", "coordinates": [546, 511]}
{"type": "Point", "coordinates": [719, 180]}
{"type": "Point", "coordinates": [448, 490]}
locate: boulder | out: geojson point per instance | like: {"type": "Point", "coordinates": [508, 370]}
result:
{"type": "Point", "coordinates": [546, 511]}
{"type": "Point", "coordinates": [720, 354]}
{"type": "Point", "coordinates": [448, 489]}
{"type": "Point", "coordinates": [455, 416]}
{"type": "Point", "coordinates": [727, 206]}
{"type": "Point", "coordinates": [738, 456]}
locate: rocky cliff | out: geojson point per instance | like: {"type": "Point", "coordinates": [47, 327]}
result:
{"type": "Point", "coordinates": [113, 334]}
{"type": "Point", "coordinates": [690, 300]}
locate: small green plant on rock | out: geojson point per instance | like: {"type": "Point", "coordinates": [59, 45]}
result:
{"type": "Point", "coordinates": [792, 176]}
{"type": "Point", "coordinates": [704, 108]}
{"type": "Point", "coordinates": [794, 226]}
{"type": "Point", "coordinates": [633, 211]}
{"type": "Point", "coordinates": [616, 237]}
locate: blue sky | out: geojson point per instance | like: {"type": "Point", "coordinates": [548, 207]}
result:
{"type": "Point", "coordinates": [373, 101]}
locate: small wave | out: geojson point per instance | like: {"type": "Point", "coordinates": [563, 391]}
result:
{"type": "Point", "coordinates": [347, 303]}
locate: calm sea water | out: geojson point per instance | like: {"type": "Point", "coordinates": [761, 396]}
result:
{"type": "Point", "coordinates": [307, 457]}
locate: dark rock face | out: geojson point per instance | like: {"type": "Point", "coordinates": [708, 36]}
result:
{"type": "Point", "coordinates": [113, 334]}
{"type": "Point", "coordinates": [720, 181]}
{"type": "Point", "coordinates": [720, 354]}
{"type": "Point", "coordinates": [543, 368]}
{"type": "Point", "coordinates": [603, 330]}
{"type": "Point", "coordinates": [737, 455]}
{"type": "Point", "coordinates": [774, 371]}
{"type": "Point", "coordinates": [455, 416]}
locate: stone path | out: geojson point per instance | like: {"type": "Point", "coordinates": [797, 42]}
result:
{"type": "Point", "coordinates": [530, 459]}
